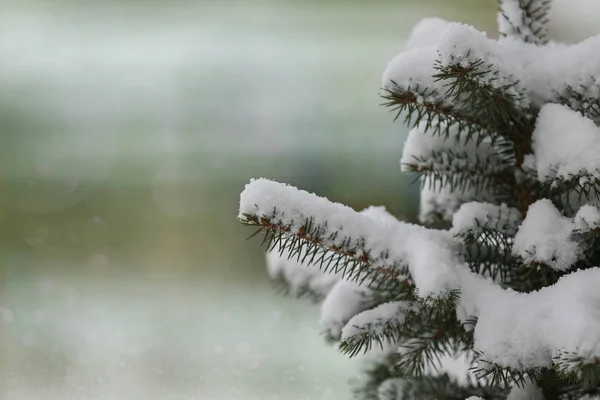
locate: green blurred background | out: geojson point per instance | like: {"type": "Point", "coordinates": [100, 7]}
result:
{"type": "Point", "coordinates": [128, 130]}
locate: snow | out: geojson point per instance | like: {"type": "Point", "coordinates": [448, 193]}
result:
{"type": "Point", "coordinates": [565, 144]}
{"type": "Point", "coordinates": [374, 321]}
{"type": "Point", "coordinates": [380, 214]}
{"type": "Point", "coordinates": [458, 44]}
{"type": "Point", "coordinates": [563, 316]}
{"type": "Point", "coordinates": [545, 237]}
{"type": "Point", "coordinates": [344, 301]}
{"type": "Point", "coordinates": [476, 216]}
{"type": "Point", "coordinates": [463, 45]}
{"type": "Point", "coordinates": [414, 68]}
{"type": "Point", "coordinates": [427, 32]}
{"type": "Point", "coordinates": [587, 218]}
{"type": "Point", "coordinates": [573, 66]}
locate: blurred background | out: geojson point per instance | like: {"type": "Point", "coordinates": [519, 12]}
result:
{"type": "Point", "coordinates": [127, 132]}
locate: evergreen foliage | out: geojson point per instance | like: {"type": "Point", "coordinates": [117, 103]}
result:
{"type": "Point", "coordinates": [508, 280]}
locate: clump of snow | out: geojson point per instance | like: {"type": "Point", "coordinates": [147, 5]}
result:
{"type": "Point", "coordinates": [562, 316]}
{"type": "Point", "coordinates": [476, 215]}
{"type": "Point", "coordinates": [565, 144]}
{"type": "Point", "coordinates": [587, 218]}
{"type": "Point", "coordinates": [464, 45]}
{"type": "Point", "coordinates": [526, 54]}
{"type": "Point", "coordinates": [546, 237]}
{"type": "Point", "coordinates": [427, 32]}
{"type": "Point", "coordinates": [344, 301]}
{"type": "Point", "coordinates": [564, 67]}
{"type": "Point", "coordinates": [414, 68]}
{"type": "Point", "coordinates": [374, 321]}
{"type": "Point", "coordinates": [380, 214]}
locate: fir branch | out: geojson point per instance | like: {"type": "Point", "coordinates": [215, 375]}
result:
{"type": "Point", "coordinates": [497, 375]}
{"type": "Point", "coordinates": [488, 253]}
{"type": "Point", "coordinates": [431, 332]}
{"type": "Point", "coordinates": [380, 330]}
{"type": "Point", "coordinates": [357, 247]}
{"type": "Point", "coordinates": [419, 106]}
{"type": "Point", "coordinates": [428, 330]}
{"type": "Point", "coordinates": [589, 242]}
{"type": "Point", "coordinates": [532, 277]}
{"type": "Point", "coordinates": [582, 98]}
{"type": "Point", "coordinates": [351, 260]}
{"type": "Point", "coordinates": [525, 19]}
{"type": "Point", "coordinates": [459, 171]}
{"type": "Point", "coordinates": [473, 87]}
{"type": "Point", "coordinates": [585, 185]}
{"type": "Point", "coordinates": [577, 369]}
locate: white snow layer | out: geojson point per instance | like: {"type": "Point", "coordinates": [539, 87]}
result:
{"type": "Point", "coordinates": [536, 74]}
{"type": "Point", "coordinates": [587, 218]}
{"type": "Point", "coordinates": [565, 144]}
{"type": "Point", "coordinates": [429, 254]}
{"type": "Point", "coordinates": [545, 237]}
{"type": "Point", "coordinates": [458, 44]}
{"type": "Point", "coordinates": [561, 67]}
{"type": "Point", "coordinates": [463, 45]}
{"type": "Point", "coordinates": [412, 69]}
{"type": "Point", "coordinates": [426, 33]}
{"type": "Point", "coordinates": [344, 301]}
{"type": "Point", "coordinates": [564, 316]}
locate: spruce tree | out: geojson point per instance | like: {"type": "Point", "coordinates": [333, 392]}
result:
{"type": "Point", "coordinates": [502, 273]}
